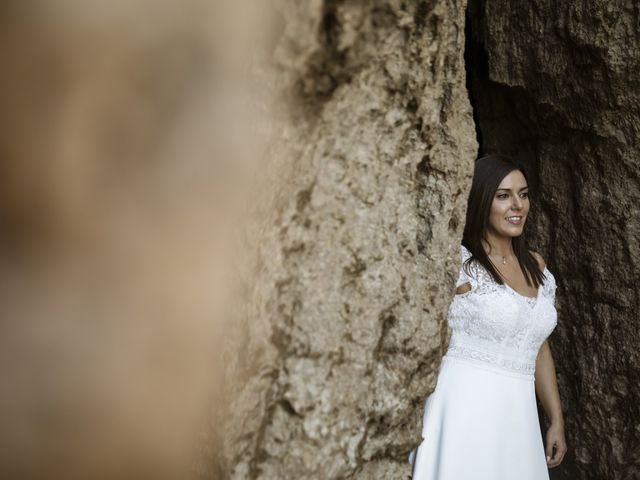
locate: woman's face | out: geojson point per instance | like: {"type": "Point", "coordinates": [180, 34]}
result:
{"type": "Point", "coordinates": [510, 206]}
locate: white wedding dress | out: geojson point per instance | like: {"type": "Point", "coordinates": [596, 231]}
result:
{"type": "Point", "coordinates": [481, 421]}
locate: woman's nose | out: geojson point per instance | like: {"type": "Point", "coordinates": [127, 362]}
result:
{"type": "Point", "coordinates": [517, 203]}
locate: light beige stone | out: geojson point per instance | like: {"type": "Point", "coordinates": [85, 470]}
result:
{"type": "Point", "coordinates": [358, 244]}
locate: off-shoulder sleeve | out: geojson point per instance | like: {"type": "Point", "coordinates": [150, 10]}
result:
{"type": "Point", "coordinates": [463, 276]}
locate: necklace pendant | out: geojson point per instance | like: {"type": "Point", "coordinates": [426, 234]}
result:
{"type": "Point", "coordinates": [504, 260]}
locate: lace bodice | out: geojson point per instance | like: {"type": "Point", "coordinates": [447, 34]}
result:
{"type": "Point", "coordinates": [497, 326]}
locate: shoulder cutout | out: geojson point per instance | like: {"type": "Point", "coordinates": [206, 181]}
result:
{"type": "Point", "coordinates": [464, 288]}
{"type": "Point", "coordinates": [466, 280]}
{"type": "Point", "coordinates": [539, 259]}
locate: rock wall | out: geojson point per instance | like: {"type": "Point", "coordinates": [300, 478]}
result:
{"type": "Point", "coordinates": [354, 255]}
{"type": "Point", "coordinates": [557, 84]}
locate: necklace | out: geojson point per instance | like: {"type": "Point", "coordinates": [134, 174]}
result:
{"type": "Point", "coordinates": [504, 259]}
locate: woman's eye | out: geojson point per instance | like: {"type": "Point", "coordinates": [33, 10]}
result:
{"type": "Point", "coordinates": [524, 194]}
{"type": "Point", "coordinates": [502, 196]}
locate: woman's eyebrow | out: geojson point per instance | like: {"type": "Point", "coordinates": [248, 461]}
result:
{"type": "Point", "coordinates": [508, 189]}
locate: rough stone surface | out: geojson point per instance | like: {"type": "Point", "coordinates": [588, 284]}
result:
{"type": "Point", "coordinates": [557, 84]}
{"type": "Point", "coordinates": [354, 259]}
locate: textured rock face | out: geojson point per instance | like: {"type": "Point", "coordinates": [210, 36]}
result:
{"type": "Point", "coordinates": [557, 84]}
{"type": "Point", "coordinates": [359, 241]}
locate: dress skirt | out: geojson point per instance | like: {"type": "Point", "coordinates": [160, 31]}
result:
{"type": "Point", "coordinates": [480, 423]}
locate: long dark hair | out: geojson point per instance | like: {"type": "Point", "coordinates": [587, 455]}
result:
{"type": "Point", "coordinates": [488, 172]}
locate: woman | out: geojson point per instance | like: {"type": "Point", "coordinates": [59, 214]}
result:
{"type": "Point", "coordinates": [481, 422]}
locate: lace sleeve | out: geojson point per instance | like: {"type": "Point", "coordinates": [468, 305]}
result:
{"type": "Point", "coordinates": [550, 286]}
{"type": "Point", "coordinates": [463, 276]}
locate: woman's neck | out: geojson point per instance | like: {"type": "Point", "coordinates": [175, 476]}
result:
{"type": "Point", "coordinates": [498, 245]}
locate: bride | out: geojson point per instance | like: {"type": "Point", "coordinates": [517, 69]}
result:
{"type": "Point", "coordinates": [481, 421]}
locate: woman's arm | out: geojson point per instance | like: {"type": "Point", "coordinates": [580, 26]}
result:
{"type": "Point", "coordinates": [547, 389]}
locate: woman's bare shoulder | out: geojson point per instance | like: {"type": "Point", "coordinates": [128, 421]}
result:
{"type": "Point", "coordinates": [464, 288]}
{"type": "Point", "coordinates": [539, 259]}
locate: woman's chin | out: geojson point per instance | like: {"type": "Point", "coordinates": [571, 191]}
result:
{"type": "Point", "coordinates": [512, 232]}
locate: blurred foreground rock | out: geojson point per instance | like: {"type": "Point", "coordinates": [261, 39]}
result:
{"type": "Point", "coordinates": [121, 180]}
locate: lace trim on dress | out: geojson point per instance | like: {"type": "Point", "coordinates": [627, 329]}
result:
{"type": "Point", "coordinates": [479, 276]}
{"type": "Point", "coordinates": [492, 359]}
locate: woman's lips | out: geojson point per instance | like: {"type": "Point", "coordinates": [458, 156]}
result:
{"type": "Point", "coordinates": [515, 220]}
